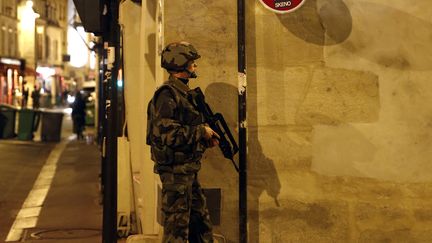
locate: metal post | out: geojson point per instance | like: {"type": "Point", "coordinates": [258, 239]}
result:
{"type": "Point", "coordinates": [241, 38]}
{"type": "Point", "coordinates": [112, 48]}
{"type": "Point", "coordinates": [102, 121]}
{"type": "Point", "coordinates": [101, 124]}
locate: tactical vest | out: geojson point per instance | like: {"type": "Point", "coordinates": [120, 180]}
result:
{"type": "Point", "coordinates": [187, 114]}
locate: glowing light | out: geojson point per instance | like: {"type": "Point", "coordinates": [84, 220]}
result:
{"type": "Point", "coordinates": [29, 4]}
{"type": "Point", "coordinates": [120, 78]}
{"type": "Point", "coordinates": [28, 16]}
{"type": "Point", "coordinates": [46, 71]}
{"type": "Point", "coordinates": [68, 111]}
{"type": "Point", "coordinates": [9, 81]}
{"type": "Point", "coordinates": [18, 92]}
{"type": "Point", "coordinates": [70, 99]}
{"type": "Point", "coordinates": [92, 60]}
{"type": "Point", "coordinates": [9, 73]}
{"type": "Point", "coordinates": [40, 29]}
{"type": "Point", "coordinates": [10, 61]}
{"type": "Point", "coordinates": [76, 48]}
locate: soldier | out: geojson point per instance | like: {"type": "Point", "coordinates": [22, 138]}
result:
{"type": "Point", "coordinates": [178, 139]}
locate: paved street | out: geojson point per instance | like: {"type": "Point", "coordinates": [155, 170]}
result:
{"type": "Point", "coordinates": [19, 168]}
{"type": "Point", "coordinates": [50, 191]}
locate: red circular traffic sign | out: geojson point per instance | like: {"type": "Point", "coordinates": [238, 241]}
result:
{"type": "Point", "coordinates": [282, 6]}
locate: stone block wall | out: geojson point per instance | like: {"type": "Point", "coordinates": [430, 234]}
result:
{"type": "Point", "coordinates": [338, 113]}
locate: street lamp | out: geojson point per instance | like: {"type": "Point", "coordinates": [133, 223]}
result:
{"type": "Point", "coordinates": [28, 15]}
{"type": "Point", "coordinates": [77, 48]}
{"type": "Point", "coordinates": [26, 39]}
{"type": "Point", "coordinates": [77, 25]}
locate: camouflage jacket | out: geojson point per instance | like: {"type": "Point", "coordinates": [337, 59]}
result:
{"type": "Point", "coordinates": [175, 129]}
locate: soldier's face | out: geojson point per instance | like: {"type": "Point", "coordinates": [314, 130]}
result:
{"type": "Point", "coordinates": [192, 70]}
{"type": "Point", "coordinates": [192, 67]}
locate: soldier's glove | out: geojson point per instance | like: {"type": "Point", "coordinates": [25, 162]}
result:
{"type": "Point", "coordinates": [213, 142]}
{"type": "Point", "coordinates": [211, 137]}
{"type": "Point", "coordinates": [209, 133]}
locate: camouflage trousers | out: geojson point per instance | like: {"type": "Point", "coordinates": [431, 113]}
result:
{"type": "Point", "coordinates": [184, 208]}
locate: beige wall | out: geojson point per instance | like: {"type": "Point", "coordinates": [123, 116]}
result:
{"type": "Point", "coordinates": [8, 37]}
{"type": "Point", "coordinates": [55, 36]}
{"type": "Point", "coordinates": [139, 28]}
{"type": "Point", "coordinates": [338, 116]}
{"type": "Point", "coordinates": [211, 27]}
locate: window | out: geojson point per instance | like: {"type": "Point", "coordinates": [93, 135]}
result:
{"type": "Point", "coordinates": [16, 43]}
{"type": "Point", "coordinates": [11, 43]}
{"type": "Point", "coordinates": [46, 10]}
{"type": "Point", "coordinates": [62, 16]}
{"type": "Point", "coordinates": [39, 44]}
{"type": "Point", "coordinates": [47, 46]}
{"type": "Point", "coordinates": [8, 11]}
{"type": "Point", "coordinates": [55, 17]}
{"type": "Point", "coordinates": [8, 8]}
{"type": "Point", "coordinates": [59, 12]}
{"type": "Point", "coordinates": [36, 8]}
{"type": "Point", "coordinates": [1, 41]}
{"type": "Point", "coordinates": [4, 46]}
{"type": "Point", "coordinates": [56, 50]}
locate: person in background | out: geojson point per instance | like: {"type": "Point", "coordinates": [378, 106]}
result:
{"type": "Point", "coordinates": [36, 97]}
{"type": "Point", "coordinates": [25, 95]}
{"type": "Point", "coordinates": [78, 115]}
{"type": "Point", "coordinates": [64, 97]}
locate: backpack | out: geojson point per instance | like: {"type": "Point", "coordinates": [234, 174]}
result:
{"type": "Point", "coordinates": [151, 109]}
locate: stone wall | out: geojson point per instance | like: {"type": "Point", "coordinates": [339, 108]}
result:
{"type": "Point", "coordinates": [338, 114]}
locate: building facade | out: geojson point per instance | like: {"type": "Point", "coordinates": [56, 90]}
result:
{"type": "Point", "coordinates": [50, 42]}
{"type": "Point", "coordinates": [33, 41]}
{"type": "Point", "coordinates": [11, 67]}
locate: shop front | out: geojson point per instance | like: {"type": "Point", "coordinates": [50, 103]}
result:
{"type": "Point", "coordinates": [12, 72]}
{"type": "Point", "coordinates": [52, 85]}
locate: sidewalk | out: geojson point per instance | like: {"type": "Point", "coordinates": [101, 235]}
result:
{"type": "Point", "coordinates": [71, 211]}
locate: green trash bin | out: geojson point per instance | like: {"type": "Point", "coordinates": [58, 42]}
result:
{"type": "Point", "coordinates": [7, 121]}
{"type": "Point", "coordinates": [51, 126]}
{"type": "Point", "coordinates": [28, 123]}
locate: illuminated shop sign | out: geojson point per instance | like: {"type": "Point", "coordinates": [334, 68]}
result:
{"type": "Point", "coordinates": [46, 72]}
{"type": "Point", "coordinates": [282, 6]}
{"type": "Point", "coordinates": [10, 61]}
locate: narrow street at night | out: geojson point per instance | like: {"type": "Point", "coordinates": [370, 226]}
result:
{"type": "Point", "coordinates": [50, 191]}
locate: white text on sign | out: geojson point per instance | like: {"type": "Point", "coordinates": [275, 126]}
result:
{"type": "Point", "coordinates": [283, 4]}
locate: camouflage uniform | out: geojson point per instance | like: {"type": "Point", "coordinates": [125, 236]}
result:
{"type": "Point", "coordinates": [175, 132]}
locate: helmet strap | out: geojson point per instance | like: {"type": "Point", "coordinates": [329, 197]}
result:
{"type": "Point", "coordinates": [191, 74]}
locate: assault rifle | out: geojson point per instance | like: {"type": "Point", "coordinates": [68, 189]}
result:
{"type": "Point", "coordinates": [227, 144]}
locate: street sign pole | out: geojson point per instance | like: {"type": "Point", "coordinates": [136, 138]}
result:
{"type": "Point", "coordinates": [111, 39]}
{"type": "Point", "coordinates": [242, 121]}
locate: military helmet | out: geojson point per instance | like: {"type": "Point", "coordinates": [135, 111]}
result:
{"type": "Point", "coordinates": [175, 56]}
